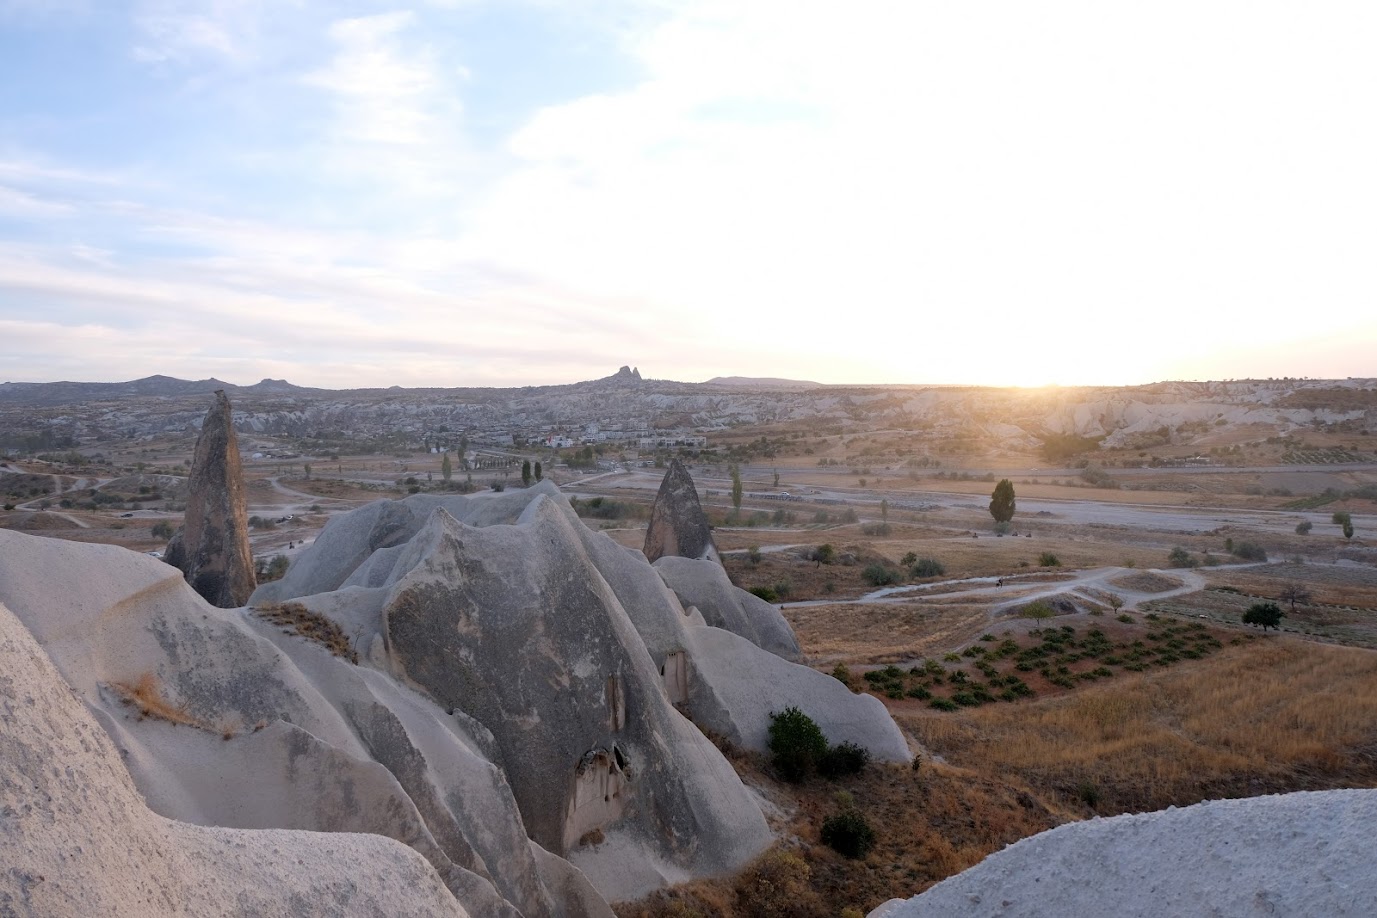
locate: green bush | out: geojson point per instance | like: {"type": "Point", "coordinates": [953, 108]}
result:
{"type": "Point", "coordinates": [878, 575]}
{"type": "Point", "coordinates": [266, 571]}
{"type": "Point", "coordinates": [843, 759]}
{"type": "Point", "coordinates": [796, 743]}
{"type": "Point", "coordinates": [848, 833]}
{"type": "Point", "coordinates": [927, 567]}
{"type": "Point", "coordinates": [1047, 559]}
{"type": "Point", "coordinates": [765, 592]}
{"type": "Point", "coordinates": [1179, 557]}
{"type": "Point", "coordinates": [1304, 527]}
{"type": "Point", "coordinates": [1250, 551]}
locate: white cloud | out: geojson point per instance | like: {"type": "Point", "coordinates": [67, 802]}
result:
{"type": "Point", "coordinates": [190, 31]}
{"type": "Point", "coordinates": [397, 122]}
{"type": "Point", "coordinates": [1058, 171]}
{"type": "Point", "coordinates": [382, 93]}
{"type": "Point", "coordinates": [919, 191]}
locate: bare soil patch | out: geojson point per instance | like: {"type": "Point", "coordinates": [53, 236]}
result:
{"type": "Point", "coordinates": [884, 632]}
{"type": "Point", "coordinates": [34, 521]}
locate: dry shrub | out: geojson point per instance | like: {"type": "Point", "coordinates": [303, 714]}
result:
{"type": "Point", "coordinates": [297, 619]}
{"type": "Point", "coordinates": [1265, 717]}
{"type": "Point", "coordinates": [776, 886]}
{"type": "Point", "coordinates": [146, 695]}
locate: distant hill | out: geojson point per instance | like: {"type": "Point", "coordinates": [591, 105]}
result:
{"type": "Point", "coordinates": [761, 382]}
{"type": "Point", "coordinates": [68, 393]}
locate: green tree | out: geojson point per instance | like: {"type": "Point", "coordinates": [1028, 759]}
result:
{"type": "Point", "coordinates": [1179, 557]}
{"type": "Point", "coordinates": [307, 468]}
{"type": "Point", "coordinates": [446, 469]}
{"type": "Point", "coordinates": [1266, 614]}
{"type": "Point", "coordinates": [1344, 520]}
{"type": "Point", "coordinates": [526, 473]}
{"type": "Point", "coordinates": [825, 554]}
{"type": "Point", "coordinates": [162, 530]}
{"type": "Point", "coordinates": [736, 487]}
{"type": "Point", "coordinates": [539, 472]}
{"type": "Point", "coordinates": [776, 478]}
{"type": "Point", "coordinates": [1002, 501]}
{"type": "Point", "coordinates": [796, 743]}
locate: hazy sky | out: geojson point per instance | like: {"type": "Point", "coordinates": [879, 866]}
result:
{"type": "Point", "coordinates": [459, 192]}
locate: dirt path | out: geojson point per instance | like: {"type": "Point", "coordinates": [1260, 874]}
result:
{"type": "Point", "coordinates": [1013, 590]}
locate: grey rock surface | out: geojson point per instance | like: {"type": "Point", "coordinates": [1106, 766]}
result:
{"type": "Point", "coordinates": [677, 523]}
{"type": "Point", "coordinates": [735, 686]}
{"type": "Point", "coordinates": [279, 733]}
{"type": "Point", "coordinates": [726, 683]}
{"type": "Point", "coordinates": [514, 626]}
{"type": "Point", "coordinates": [704, 585]}
{"type": "Point", "coordinates": [338, 556]}
{"type": "Point", "coordinates": [1289, 854]}
{"type": "Point", "coordinates": [212, 547]}
{"type": "Point", "coordinates": [76, 839]}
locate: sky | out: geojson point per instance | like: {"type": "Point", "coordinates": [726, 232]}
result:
{"type": "Point", "coordinates": [523, 192]}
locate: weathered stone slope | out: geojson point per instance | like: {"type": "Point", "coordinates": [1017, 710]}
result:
{"type": "Point", "coordinates": [1290, 854]}
{"type": "Point", "coordinates": [272, 730]}
{"type": "Point", "coordinates": [76, 839]}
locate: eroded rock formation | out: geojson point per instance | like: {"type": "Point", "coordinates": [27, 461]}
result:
{"type": "Point", "coordinates": [212, 547]}
{"type": "Point", "coordinates": [505, 694]}
{"type": "Point", "coordinates": [78, 840]}
{"type": "Point", "coordinates": [677, 523]}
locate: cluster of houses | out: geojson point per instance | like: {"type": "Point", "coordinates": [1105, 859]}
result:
{"type": "Point", "coordinates": [639, 437]}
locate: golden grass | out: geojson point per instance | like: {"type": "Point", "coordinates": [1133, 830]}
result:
{"type": "Point", "coordinates": [145, 695]}
{"type": "Point", "coordinates": [929, 824]}
{"type": "Point", "coordinates": [1269, 716]}
{"type": "Point", "coordinates": [294, 618]}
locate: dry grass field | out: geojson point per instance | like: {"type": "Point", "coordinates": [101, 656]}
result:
{"type": "Point", "coordinates": [1268, 715]}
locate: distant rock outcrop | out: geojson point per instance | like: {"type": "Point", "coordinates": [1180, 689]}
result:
{"type": "Point", "coordinates": [212, 547]}
{"type": "Point", "coordinates": [678, 525]}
